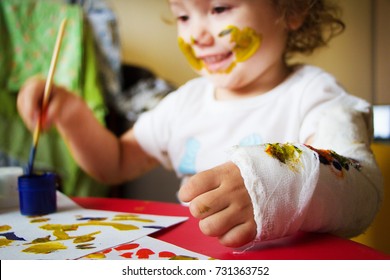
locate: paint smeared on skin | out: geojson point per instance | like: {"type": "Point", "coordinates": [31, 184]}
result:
{"type": "Point", "coordinates": [285, 153]}
{"type": "Point", "coordinates": [204, 209]}
{"type": "Point", "coordinates": [246, 43]}
{"type": "Point", "coordinates": [189, 53]}
{"type": "Point", "coordinates": [45, 248]}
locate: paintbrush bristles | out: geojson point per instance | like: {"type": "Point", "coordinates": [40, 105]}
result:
{"type": "Point", "coordinates": [46, 96]}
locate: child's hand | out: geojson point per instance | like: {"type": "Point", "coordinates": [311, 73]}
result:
{"type": "Point", "coordinates": [29, 103]}
{"type": "Point", "coordinates": [219, 198]}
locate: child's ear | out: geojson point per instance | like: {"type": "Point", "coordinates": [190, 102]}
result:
{"type": "Point", "coordinates": [294, 22]}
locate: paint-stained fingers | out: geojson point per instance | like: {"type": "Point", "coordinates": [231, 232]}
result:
{"type": "Point", "coordinates": [225, 224]}
{"type": "Point", "coordinates": [208, 204]}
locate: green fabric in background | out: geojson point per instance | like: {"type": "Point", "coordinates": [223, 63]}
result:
{"type": "Point", "coordinates": [28, 30]}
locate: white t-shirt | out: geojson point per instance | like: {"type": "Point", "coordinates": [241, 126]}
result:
{"type": "Point", "coordinates": [323, 191]}
{"type": "Point", "coordinates": [190, 131]}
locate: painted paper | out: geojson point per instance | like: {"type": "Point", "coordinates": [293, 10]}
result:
{"type": "Point", "coordinates": [146, 248]}
{"type": "Point", "coordinates": [73, 232]}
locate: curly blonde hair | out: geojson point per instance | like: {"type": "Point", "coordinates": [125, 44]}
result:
{"type": "Point", "coordinates": [321, 22]}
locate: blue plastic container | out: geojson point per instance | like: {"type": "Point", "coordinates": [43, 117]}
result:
{"type": "Point", "coordinates": [37, 194]}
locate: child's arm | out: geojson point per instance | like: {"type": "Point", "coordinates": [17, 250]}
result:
{"type": "Point", "coordinates": [98, 151]}
{"type": "Point", "coordinates": [292, 187]}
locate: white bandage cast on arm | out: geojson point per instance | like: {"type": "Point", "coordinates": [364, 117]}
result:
{"type": "Point", "coordinates": [296, 187]}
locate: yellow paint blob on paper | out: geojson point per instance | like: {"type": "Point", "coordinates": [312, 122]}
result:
{"type": "Point", "coordinates": [60, 227]}
{"type": "Point", "coordinates": [41, 239]}
{"type": "Point", "coordinates": [74, 227]}
{"type": "Point", "coordinates": [130, 217]}
{"type": "Point", "coordinates": [117, 226]}
{"type": "Point", "coordinates": [45, 248]}
{"type": "Point", "coordinates": [5, 242]}
{"type": "Point", "coordinates": [61, 235]}
{"type": "Point", "coordinates": [96, 256]}
{"type": "Point", "coordinates": [5, 228]}
{"type": "Point", "coordinates": [39, 220]}
{"type": "Point", "coordinates": [85, 246]}
{"type": "Point", "coordinates": [86, 238]}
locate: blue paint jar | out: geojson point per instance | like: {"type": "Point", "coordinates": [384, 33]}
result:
{"type": "Point", "coordinates": [37, 194]}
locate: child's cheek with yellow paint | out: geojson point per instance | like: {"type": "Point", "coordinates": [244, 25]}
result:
{"type": "Point", "coordinates": [189, 54]}
{"type": "Point", "coordinates": [245, 41]}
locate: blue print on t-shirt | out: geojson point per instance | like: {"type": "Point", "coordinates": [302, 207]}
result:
{"type": "Point", "coordinates": [188, 162]}
{"type": "Point", "coordinates": [251, 140]}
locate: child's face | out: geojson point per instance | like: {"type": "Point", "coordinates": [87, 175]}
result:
{"type": "Point", "coordinates": [235, 43]}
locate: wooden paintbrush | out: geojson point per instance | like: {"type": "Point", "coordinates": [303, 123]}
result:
{"type": "Point", "coordinates": [46, 95]}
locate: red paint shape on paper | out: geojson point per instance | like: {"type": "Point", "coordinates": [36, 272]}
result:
{"type": "Point", "coordinates": [127, 255]}
{"type": "Point", "coordinates": [107, 251]}
{"type": "Point", "coordinates": [130, 246]}
{"type": "Point", "coordinates": [166, 254]}
{"type": "Point", "coordinates": [144, 253]}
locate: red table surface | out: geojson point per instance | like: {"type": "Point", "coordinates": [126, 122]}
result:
{"type": "Point", "coordinates": [301, 246]}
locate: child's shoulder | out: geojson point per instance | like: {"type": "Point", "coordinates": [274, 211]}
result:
{"type": "Point", "coordinates": [308, 72]}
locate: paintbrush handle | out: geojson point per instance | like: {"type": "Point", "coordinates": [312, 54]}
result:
{"type": "Point", "coordinates": [46, 95]}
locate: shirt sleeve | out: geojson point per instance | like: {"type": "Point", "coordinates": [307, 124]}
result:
{"type": "Point", "coordinates": [298, 187]}
{"type": "Point", "coordinates": [153, 129]}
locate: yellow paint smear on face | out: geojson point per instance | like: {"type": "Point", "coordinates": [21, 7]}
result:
{"type": "Point", "coordinates": [5, 242]}
{"type": "Point", "coordinates": [247, 41]}
{"type": "Point", "coordinates": [45, 248]}
{"type": "Point", "coordinates": [189, 53]}
{"type": "Point", "coordinates": [5, 228]}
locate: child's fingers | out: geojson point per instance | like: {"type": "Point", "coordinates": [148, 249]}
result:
{"type": "Point", "coordinates": [239, 235]}
{"type": "Point", "coordinates": [208, 204]}
{"type": "Point", "coordinates": [29, 100]}
{"type": "Point", "coordinates": [199, 184]}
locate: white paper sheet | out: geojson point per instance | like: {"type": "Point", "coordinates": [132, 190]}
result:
{"type": "Point", "coordinates": [72, 232]}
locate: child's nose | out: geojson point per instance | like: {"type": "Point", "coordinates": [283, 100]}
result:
{"type": "Point", "coordinates": [201, 36]}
